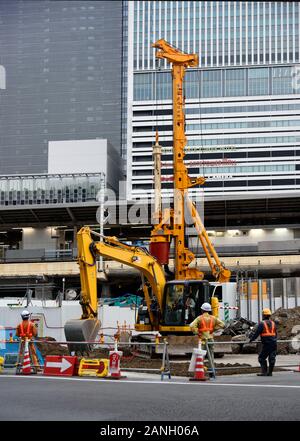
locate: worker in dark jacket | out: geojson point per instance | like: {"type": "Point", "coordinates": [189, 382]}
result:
{"type": "Point", "coordinates": [268, 334]}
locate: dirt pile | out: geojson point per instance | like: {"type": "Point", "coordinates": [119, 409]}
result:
{"type": "Point", "coordinates": [288, 326]}
{"type": "Point", "coordinates": [50, 348]}
{"type": "Point", "coordinates": [178, 369]}
{"type": "Point", "coordinates": [133, 362]}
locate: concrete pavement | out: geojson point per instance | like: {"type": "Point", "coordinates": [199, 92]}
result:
{"type": "Point", "coordinates": [143, 397]}
{"type": "Point", "coordinates": [281, 360]}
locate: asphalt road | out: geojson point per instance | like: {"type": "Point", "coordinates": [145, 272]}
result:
{"type": "Point", "coordinates": [237, 398]}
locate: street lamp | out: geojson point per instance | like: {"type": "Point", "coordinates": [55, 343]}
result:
{"type": "Point", "coordinates": [63, 293]}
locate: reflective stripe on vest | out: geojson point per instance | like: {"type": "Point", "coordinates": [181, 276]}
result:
{"type": "Point", "coordinates": [27, 333]}
{"type": "Point", "coordinates": [267, 332]}
{"type": "Point", "coordinates": [205, 326]}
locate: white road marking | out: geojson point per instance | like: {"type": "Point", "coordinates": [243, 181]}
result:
{"type": "Point", "coordinates": [98, 380]}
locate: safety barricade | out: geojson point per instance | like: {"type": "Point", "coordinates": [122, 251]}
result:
{"type": "Point", "coordinates": [114, 362]}
{"type": "Point", "coordinates": [60, 366]}
{"type": "Point", "coordinates": [103, 360]}
{"type": "Point", "coordinates": [129, 361]}
{"type": "Point", "coordinates": [93, 367]}
{"type": "Point", "coordinates": [29, 360]}
{"type": "Point", "coordinates": [295, 341]}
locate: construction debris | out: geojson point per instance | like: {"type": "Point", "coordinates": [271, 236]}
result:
{"type": "Point", "coordinates": [287, 322]}
{"type": "Point", "coordinates": [238, 327]}
{"type": "Point", "coordinates": [243, 348]}
{"type": "Point", "coordinates": [288, 326]}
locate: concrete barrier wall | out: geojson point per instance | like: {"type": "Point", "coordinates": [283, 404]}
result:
{"type": "Point", "coordinates": [51, 319]}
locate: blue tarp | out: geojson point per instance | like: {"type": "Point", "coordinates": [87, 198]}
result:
{"type": "Point", "coordinates": [125, 300]}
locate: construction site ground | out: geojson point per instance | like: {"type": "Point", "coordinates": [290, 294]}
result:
{"type": "Point", "coordinates": [234, 364]}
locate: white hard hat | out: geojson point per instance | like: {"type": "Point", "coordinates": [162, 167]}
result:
{"type": "Point", "coordinates": [25, 313]}
{"type": "Point", "coordinates": [206, 307]}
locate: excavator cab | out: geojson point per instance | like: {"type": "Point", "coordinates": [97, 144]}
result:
{"type": "Point", "coordinates": [180, 305]}
{"type": "Point", "coordinates": [182, 301]}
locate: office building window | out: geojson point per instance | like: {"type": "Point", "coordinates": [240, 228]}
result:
{"type": "Point", "coordinates": [282, 80]}
{"type": "Point", "coordinates": [258, 81]}
{"type": "Point", "coordinates": [192, 84]}
{"type": "Point", "coordinates": [235, 82]}
{"type": "Point", "coordinates": [143, 87]}
{"type": "Point", "coordinates": [211, 83]}
{"type": "Point", "coordinates": [162, 87]}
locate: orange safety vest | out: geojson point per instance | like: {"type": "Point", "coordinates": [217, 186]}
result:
{"type": "Point", "coordinates": [29, 331]}
{"type": "Point", "coordinates": [268, 332]}
{"type": "Point", "coordinates": [205, 325]}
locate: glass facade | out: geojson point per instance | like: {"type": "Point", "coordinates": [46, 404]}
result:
{"type": "Point", "coordinates": [229, 125]}
{"type": "Point", "coordinates": [63, 62]}
{"type": "Point", "coordinates": [242, 105]}
{"type": "Point", "coordinates": [124, 76]}
{"type": "Point", "coordinates": [50, 189]}
{"type": "Point", "coordinates": [217, 83]}
{"type": "Point", "coordinates": [223, 33]}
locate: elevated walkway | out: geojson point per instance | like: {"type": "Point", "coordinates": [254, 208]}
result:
{"type": "Point", "coordinates": [277, 263]}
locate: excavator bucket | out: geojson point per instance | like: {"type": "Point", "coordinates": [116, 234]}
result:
{"type": "Point", "coordinates": [78, 330]}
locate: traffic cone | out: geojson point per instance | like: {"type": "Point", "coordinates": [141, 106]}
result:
{"type": "Point", "coordinates": [199, 374]}
{"type": "Point", "coordinates": [26, 369]}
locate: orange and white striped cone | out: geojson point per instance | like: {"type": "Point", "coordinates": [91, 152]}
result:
{"type": "Point", "coordinates": [26, 369]}
{"type": "Point", "coordinates": [199, 373]}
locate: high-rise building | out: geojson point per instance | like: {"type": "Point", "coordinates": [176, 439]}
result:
{"type": "Point", "coordinates": [242, 102]}
{"type": "Point", "coordinates": [63, 65]}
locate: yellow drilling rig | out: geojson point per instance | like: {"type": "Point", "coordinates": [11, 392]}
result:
{"type": "Point", "coordinates": [166, 308]}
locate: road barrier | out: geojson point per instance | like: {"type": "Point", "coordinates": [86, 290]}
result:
{"type": "Point", "coordinates": [100, 351]}
{"type": "Point", "coordinates": [60, 365]}
{"type": "Point", "coordinates": [92, 367]}
{"type": "Point", "coordinates": [253, 367]}
{"type": "Point", "coordinates": [57, 364]}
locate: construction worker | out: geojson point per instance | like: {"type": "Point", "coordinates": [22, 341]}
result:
{"type": "Point", "coordinates": [26, 329]}
{"type": "Point", "coordinates": [190, 308]}
{"type": "Point", "coordinates": [204, 326]}
{"type": "Point", "coordinates": [268, 334]}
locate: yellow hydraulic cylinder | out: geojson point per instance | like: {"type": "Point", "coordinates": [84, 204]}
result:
{"type": "Point", "coordinates": [215, 306]}
{"type": "Point", "coordinates": [1, 364]}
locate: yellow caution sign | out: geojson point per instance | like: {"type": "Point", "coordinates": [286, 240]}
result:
{"type": "Point", "coordinates": [93, 367]}
{"type": "Point", "coordinates": [1, 364]}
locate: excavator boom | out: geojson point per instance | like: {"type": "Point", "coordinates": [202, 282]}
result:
{"type": "Point", "coordinates": [87, 327]}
